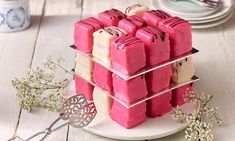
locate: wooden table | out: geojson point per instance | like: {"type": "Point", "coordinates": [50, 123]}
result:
{"type": "Point", "coordinates": [51, 33]}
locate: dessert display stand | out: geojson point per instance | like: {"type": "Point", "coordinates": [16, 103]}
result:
{"type": "Point", "coordinates": [152, 128]}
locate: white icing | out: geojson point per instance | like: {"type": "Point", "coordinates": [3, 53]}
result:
{"type": "Point", "coordinates": [183, 70]}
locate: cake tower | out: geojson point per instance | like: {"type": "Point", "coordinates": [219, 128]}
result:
{"type": "Point", "coordinates": [131, 43]}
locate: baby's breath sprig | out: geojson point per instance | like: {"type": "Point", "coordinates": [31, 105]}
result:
{"type": "Point", "coordinates": [197, 129]}
{"type": "Point", "coordinates": [39, 88]}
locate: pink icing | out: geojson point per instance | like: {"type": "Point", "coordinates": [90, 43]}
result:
{"type": "Point", "coordinates": [180, 35]}
{"type": "Point", "coordinates": [103, 78]}
{"type": "Point", "coordinates": [83, 87]}
{"type": "Point", "coordinates": [128, 54]}
{"type": "Point", "coordinates": [159, 105]}
{"type": "Point", "coordinates": [178, 94]}
{"type": "Point", "coordinates": [158, 79]}
{"type": "Point", "coordinates": [153, 17]}
{"type": "Point", "coordinates": [86, 28]}
{"type": "Point", "coordinates": [111, 17]}
{"type": "Point", "coordinates": [157, 44]}
{"type": "Point", "coordinates": [129, 91]}
{"type": "Point", "coordinates": [128, 118]}
{"type": "Point", "coordinates": [132, 24]}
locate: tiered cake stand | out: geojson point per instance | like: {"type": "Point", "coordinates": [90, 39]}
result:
{"type": "Point", "coordinates": [152, 128]}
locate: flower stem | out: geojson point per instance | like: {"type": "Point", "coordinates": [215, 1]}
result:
{"type": "Point", "coordinates": [64, 69]}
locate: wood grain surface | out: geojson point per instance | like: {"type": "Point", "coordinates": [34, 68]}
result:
{"type": "Point", "coordinates": [51, 32]}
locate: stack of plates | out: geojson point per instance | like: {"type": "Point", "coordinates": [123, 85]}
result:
{"type": "Point", "coordinates": [198, 16]}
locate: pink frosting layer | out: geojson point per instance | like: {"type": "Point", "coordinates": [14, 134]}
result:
{"type": "Point", "coordinates": [128, 54]}
{"type": "Point", "coordinates": [129, 91]}
{"type": "Point", "coordinates": [111, 17]}
{"type": "Point", "coordinates": [157, 44]}
{"type": "Point", "coordinates": [132, 24]}
{"type": "Point", "coordinates": [180, 35]}
{"type": "Point", "coordinates": [153, 17]}
{"type": "Point", "coordinates": [178, 94]}
{"type": "Point", "coordinates": [128, 118]}
{"type": "Point", "coordinates": [103, 78]}
{"type": "Point", "coordinates": [158, 79]}
{"type": "Point", "coordinates": [83, 87]}
{"type": "Point", "coordinates": [86, 28]}
{"type": "Point", "coordinates": [159, 105]}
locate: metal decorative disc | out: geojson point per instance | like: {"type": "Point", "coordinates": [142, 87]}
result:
{"type": "Point", "coordinates": [72, 105]}
{"type": "Point", "coordinates": [83, 117]}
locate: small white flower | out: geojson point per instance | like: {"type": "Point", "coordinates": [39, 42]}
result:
{"type": "Point", "coordinates": [38, 88]}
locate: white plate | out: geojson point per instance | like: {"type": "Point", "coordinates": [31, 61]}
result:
{"type": "Point", "coordinates": [186, 8]}
{"type": "Point", "coordinates": [153, 128]}
{"type": "Point", "coordinates": [212, 20]}
{"type": "Point", "coordinates": [212, 24]}
{"type": "Point", "coordinates": [227, 7]}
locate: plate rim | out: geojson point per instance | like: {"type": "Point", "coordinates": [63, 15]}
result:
{"type": "Point", "coordinates": [194, 13]}
{"type": "Point", "coordinates": [226, 8]}
{"type": "Point", "coordinates": [210, 24]}
{"type": "Point", "coordinates": [211, 20]}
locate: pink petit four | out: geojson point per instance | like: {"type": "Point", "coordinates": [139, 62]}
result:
{"type": "Point", "coordinates": [157, 44]}
{"type": "Point", "coordinates": [83, 31]}
{"type": "Point", "coordinates": [103, 78]}
{"type": "Point", "coordinates": [128, 118]}
{"type": "Point", "coordinates": [83, 87]}
{"type": "Point", "coordinates": [180, 35]}
{"type": "Point", "coordinates": [179, 94]}
{"type": "Point", "coordinates": [111, 17]}
{"type": "Point", "coordinates": [128, 54]}
{"type": "Point", "coordinates": [159, 105]}
{"type": "Point", "coordinates": [158, 79]}
{"type": "Point", "coordinates": [136, 9]}
{"type": "Point", "coordinates": [129, 91]}
{"type": "Point", "coordinates": [153, 17]}
{"type": "Point", "coordinates": [132, 24]}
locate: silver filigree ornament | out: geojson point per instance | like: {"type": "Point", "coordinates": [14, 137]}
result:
{"type": "Point", "coordinates": [72, 105]}
{"type": "Point", "coordinates": [83, 117]}
{"type": "Point", "coordinates": [76, 110]}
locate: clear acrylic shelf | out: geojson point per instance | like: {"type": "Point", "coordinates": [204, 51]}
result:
{"type": "Point", "coordinates": [144, 71]}
{"type": "Point", "coordinates": [171, 87]}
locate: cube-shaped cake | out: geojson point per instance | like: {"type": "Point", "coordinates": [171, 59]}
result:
{"type": "Point", "coordinates": [136, 9]}
{"type": "Point", "coordinates": [132, 24]}
{"type": "Point", "coordinates": [157, 44]}
{"type": "Point", "coordinates": [103, 78]}
{"type": "Point", "coordinates": [153, 17]}
{"type": "Point", "coordinates": [129, 91]}
{"type": "Point", "coordinates": [111, 17]}
{"type": "Point", "coordinates": [102, 42]}
{"type": "Point", "coordinates": [159, 105]}
{"type": "Point", "coordinates": [178, 95]}
{"type": "Point", "coordinates": [83, 87]}
{"type": "Point", "coordinates": [180, 35]}
{"type": "Point", "coordinates": [103, 102]}
{"type": "Point", "coordinates": [83, 33]}
{"type": "Point", "coordinates": [84, 66]}
{"type": "Point", "coordinates": [128, 117]}
{"type": "Point", "coordinates": [183, 70]}
{"type": "Point", "coordinates": [158, 79]}
{"type": "Point", "coordinates": [128, 54]}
